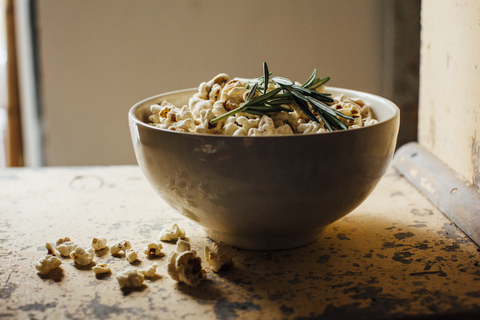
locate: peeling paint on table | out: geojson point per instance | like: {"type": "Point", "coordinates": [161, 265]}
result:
{"type": "Point", "coordinates": [395, 256]}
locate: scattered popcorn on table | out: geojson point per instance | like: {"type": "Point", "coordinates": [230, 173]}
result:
{"type": "Point", "coordinates": [183, 266]}
{"type": "Point", "coordinates": [47, 264]}
{"type": "Point", "coordinates": [149, 271]}
{"type": "Point", "coordinates": [182, 246]}
{"type": "Point", "coordinates": [99, 243]}
{"type": "Point", "coordinates": [186, 267]}
{"type": "Point", "coordinates": [130, 278]}
{"type": "Point", "coordinates": [83, 257]}
{"type": "Point", "coordinates": [101, 269]}
{"type": "Point", "coordinates": [154, 249]}
{"type": "Point", "coordinates": [51, 250]}
{"type": "Point", "coordinates": [220, 255]}
{"type": "Point", "coordinates": [65, 246]}
{"type": "Point", "coordinates": [131, 255]}
{"type": "Point", "coordinates": [119, 246]}
{"type": "Point", "coordinates": [172, 233]}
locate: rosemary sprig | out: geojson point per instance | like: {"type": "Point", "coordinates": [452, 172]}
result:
{"type": "Point", "coordinates": [288, 93]}
{"type": "Point", "coordinates": [259, 101]}
{"type": "Point", "coordinates": [252, 92]}
{"type": "Point", "coordinates": [266, 74]}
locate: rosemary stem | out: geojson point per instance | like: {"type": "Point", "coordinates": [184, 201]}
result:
{"type": "Point", "coordinates": [228, 114]}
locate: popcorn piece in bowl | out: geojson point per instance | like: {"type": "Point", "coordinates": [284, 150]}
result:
{"type": "Point", "coordinates": [149, 271]}
{"type": "Point", "coordinates": [220, 108]}
{"type": "Point", "coordinates": [172, 233]}
{"type": "Point", "coordinates": [82, 257]}
{"type": "Point", "coordinates": [131, 255]}
{"type": "Point", "coordinates": [102, 269]}
{"type": "Point", "coordinates": [130, 278]}
{"type": "Point", "coordinates": [99, 243]}
{"type": "Point", "coordinates": [154, 249]}
{"type": "Point", "coordinates": [47, 264]}
{"type": "Point", "coordinates": [220, 255]}
{"type": "Point", "coordinates": [186, 267]}
{"type": "Point", "coordinates": [65, 246]}
{"type": "Point", "coordinates": [370, 122]}
{"type": "Point", "coordinates": [119, 246]}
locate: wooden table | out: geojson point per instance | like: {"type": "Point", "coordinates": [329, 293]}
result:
{"type": "Point", "coordinates": [396, 256]}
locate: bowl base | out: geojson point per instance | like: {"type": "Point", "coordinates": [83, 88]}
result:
{"type": "Point", "coordinates": [264, 243]}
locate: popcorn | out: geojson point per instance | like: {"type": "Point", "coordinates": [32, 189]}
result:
{"type": "Point", "coordinates": [197, 105]}
{"type": "Point", "coordinates": [131, 255]}
{"type": "Point", "coordinates": [185, 114]}
{"type": "Point", "coordinates": [219, 108]}
{"type": "Point", "coordinates": [209, 90]}
{"type": "Point", "coordinates": [308, 128]}
{"type": "Point", "coordinates": [101, 269]}
{"type": "Point", "coordinates": [172, 233]}
{"type": "Point", "coordinates": [130, 278]}
{"type": "Point", "coordinates": [149, 272]}
{"type": "Point", "coordinates": [214, 94]}
{"type": "Point", "coordinates": [47, 264]}
{"type": "Point", "coordinates": [51, 250]}
{"type": "Point", "coordinates": [370, 122]}
{"type": "Point", "coordinates": [186, 267]}
{"type": "Point", "coordinates": [82, 257]}
{"type": "Point", "coordinates": [246, 123]}
{"type": "Point", "coordinates": [229, 129]}
{"type": "Point", "coordinates": [358, 101]}
{"type": "Point", "coordinates": [220, 255]}
{"type": "Point", "coordinates": [203, 90]}
{"type": "Point", "coordinates": [240, 132]}
{"type": "Point", "coordinates": [206, 115]}
{"type": "Point", "coordinates": [182, 246]}
{"type": "Point", "coordinates": [159, 112]}
{"type": "Point", "coordinates": [153, 249]}
{"type": "Point", "coordinates": [221, 95]}
{"type": "Point", "coordinates": [351, 109]}
{"type": "Point", "coordinates": [99, 243]}
{"type": "Point", "coordinates": [285, 129]}
{"type": "Point", "coordinates": [221, 79]}
{"type": "Point", "coordinates": [65, 246]}
{"type": "Point", "coordinates": [233, 94]}
{"type": "Point", "coordinates": [119, 246]}
{"type": "Point", "coordinates": [266, 127]}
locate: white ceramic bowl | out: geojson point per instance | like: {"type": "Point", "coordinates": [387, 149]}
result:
{"type": "Point", "coordinates": [265, 193]}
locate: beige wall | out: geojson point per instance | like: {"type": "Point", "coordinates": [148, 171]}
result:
{"type": "Point", "coordinates": [449, 124]}
{"type": "Point", "coordinates": [98, 58]}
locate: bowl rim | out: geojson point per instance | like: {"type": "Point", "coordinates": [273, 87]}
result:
{"type": "Point", "coordinates": [350, 92]}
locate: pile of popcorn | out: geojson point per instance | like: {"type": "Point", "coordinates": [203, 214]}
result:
{"type": "Point", "coordinates": [184, 265]}
{"type": "Point", "coordinates": [221, 95]}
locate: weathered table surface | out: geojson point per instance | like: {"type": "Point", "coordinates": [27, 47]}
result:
{"type": "Point", "coordinates": [395, 256]}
